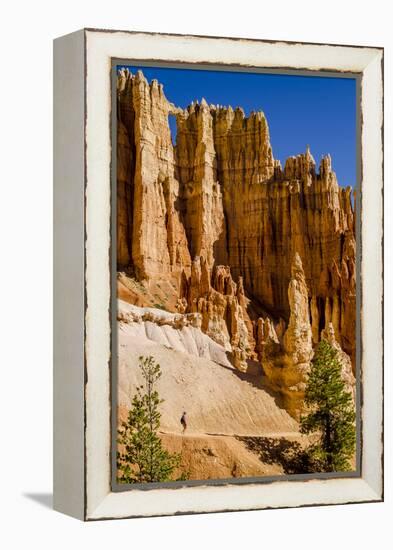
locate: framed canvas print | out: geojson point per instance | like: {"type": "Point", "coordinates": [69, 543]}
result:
{"type": "Point", "coordinates": [218, 274]}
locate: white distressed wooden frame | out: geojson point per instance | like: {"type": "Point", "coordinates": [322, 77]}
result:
{"type": "Point", "coordinates": [82, 477]}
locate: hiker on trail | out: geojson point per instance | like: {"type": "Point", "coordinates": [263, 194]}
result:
{"type": "Point", "coordinates": [183, 421]}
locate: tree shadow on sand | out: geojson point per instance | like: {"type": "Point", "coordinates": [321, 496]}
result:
{"type": "Point", "coordinates": [293, 458]}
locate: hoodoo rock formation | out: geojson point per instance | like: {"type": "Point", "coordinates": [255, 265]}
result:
{"type": "Point", "coordinates": [265, 254]}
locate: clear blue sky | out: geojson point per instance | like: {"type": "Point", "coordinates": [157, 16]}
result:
{"type": "Point", "coordinates": [300, 110]}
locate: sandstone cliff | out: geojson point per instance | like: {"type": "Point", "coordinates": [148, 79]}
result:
{"type": "Point", "coordinates": [264, 254]}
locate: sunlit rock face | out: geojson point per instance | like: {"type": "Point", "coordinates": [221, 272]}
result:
{"type": "Point", "coordinates": [265, 254]}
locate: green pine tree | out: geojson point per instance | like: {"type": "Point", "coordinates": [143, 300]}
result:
{"type": "Point", "coordinates": [332, 413]}
{"type": "Point", "coordinates": [143, 459]}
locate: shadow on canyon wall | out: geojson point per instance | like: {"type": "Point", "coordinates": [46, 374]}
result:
{"type": "Point", "coordinates": [256, 376]}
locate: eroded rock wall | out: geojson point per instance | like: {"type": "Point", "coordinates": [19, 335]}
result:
{"type": "Point", "coordinates": [151, 235]}
{"type": "Point", "coordinates": [222, 220]}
